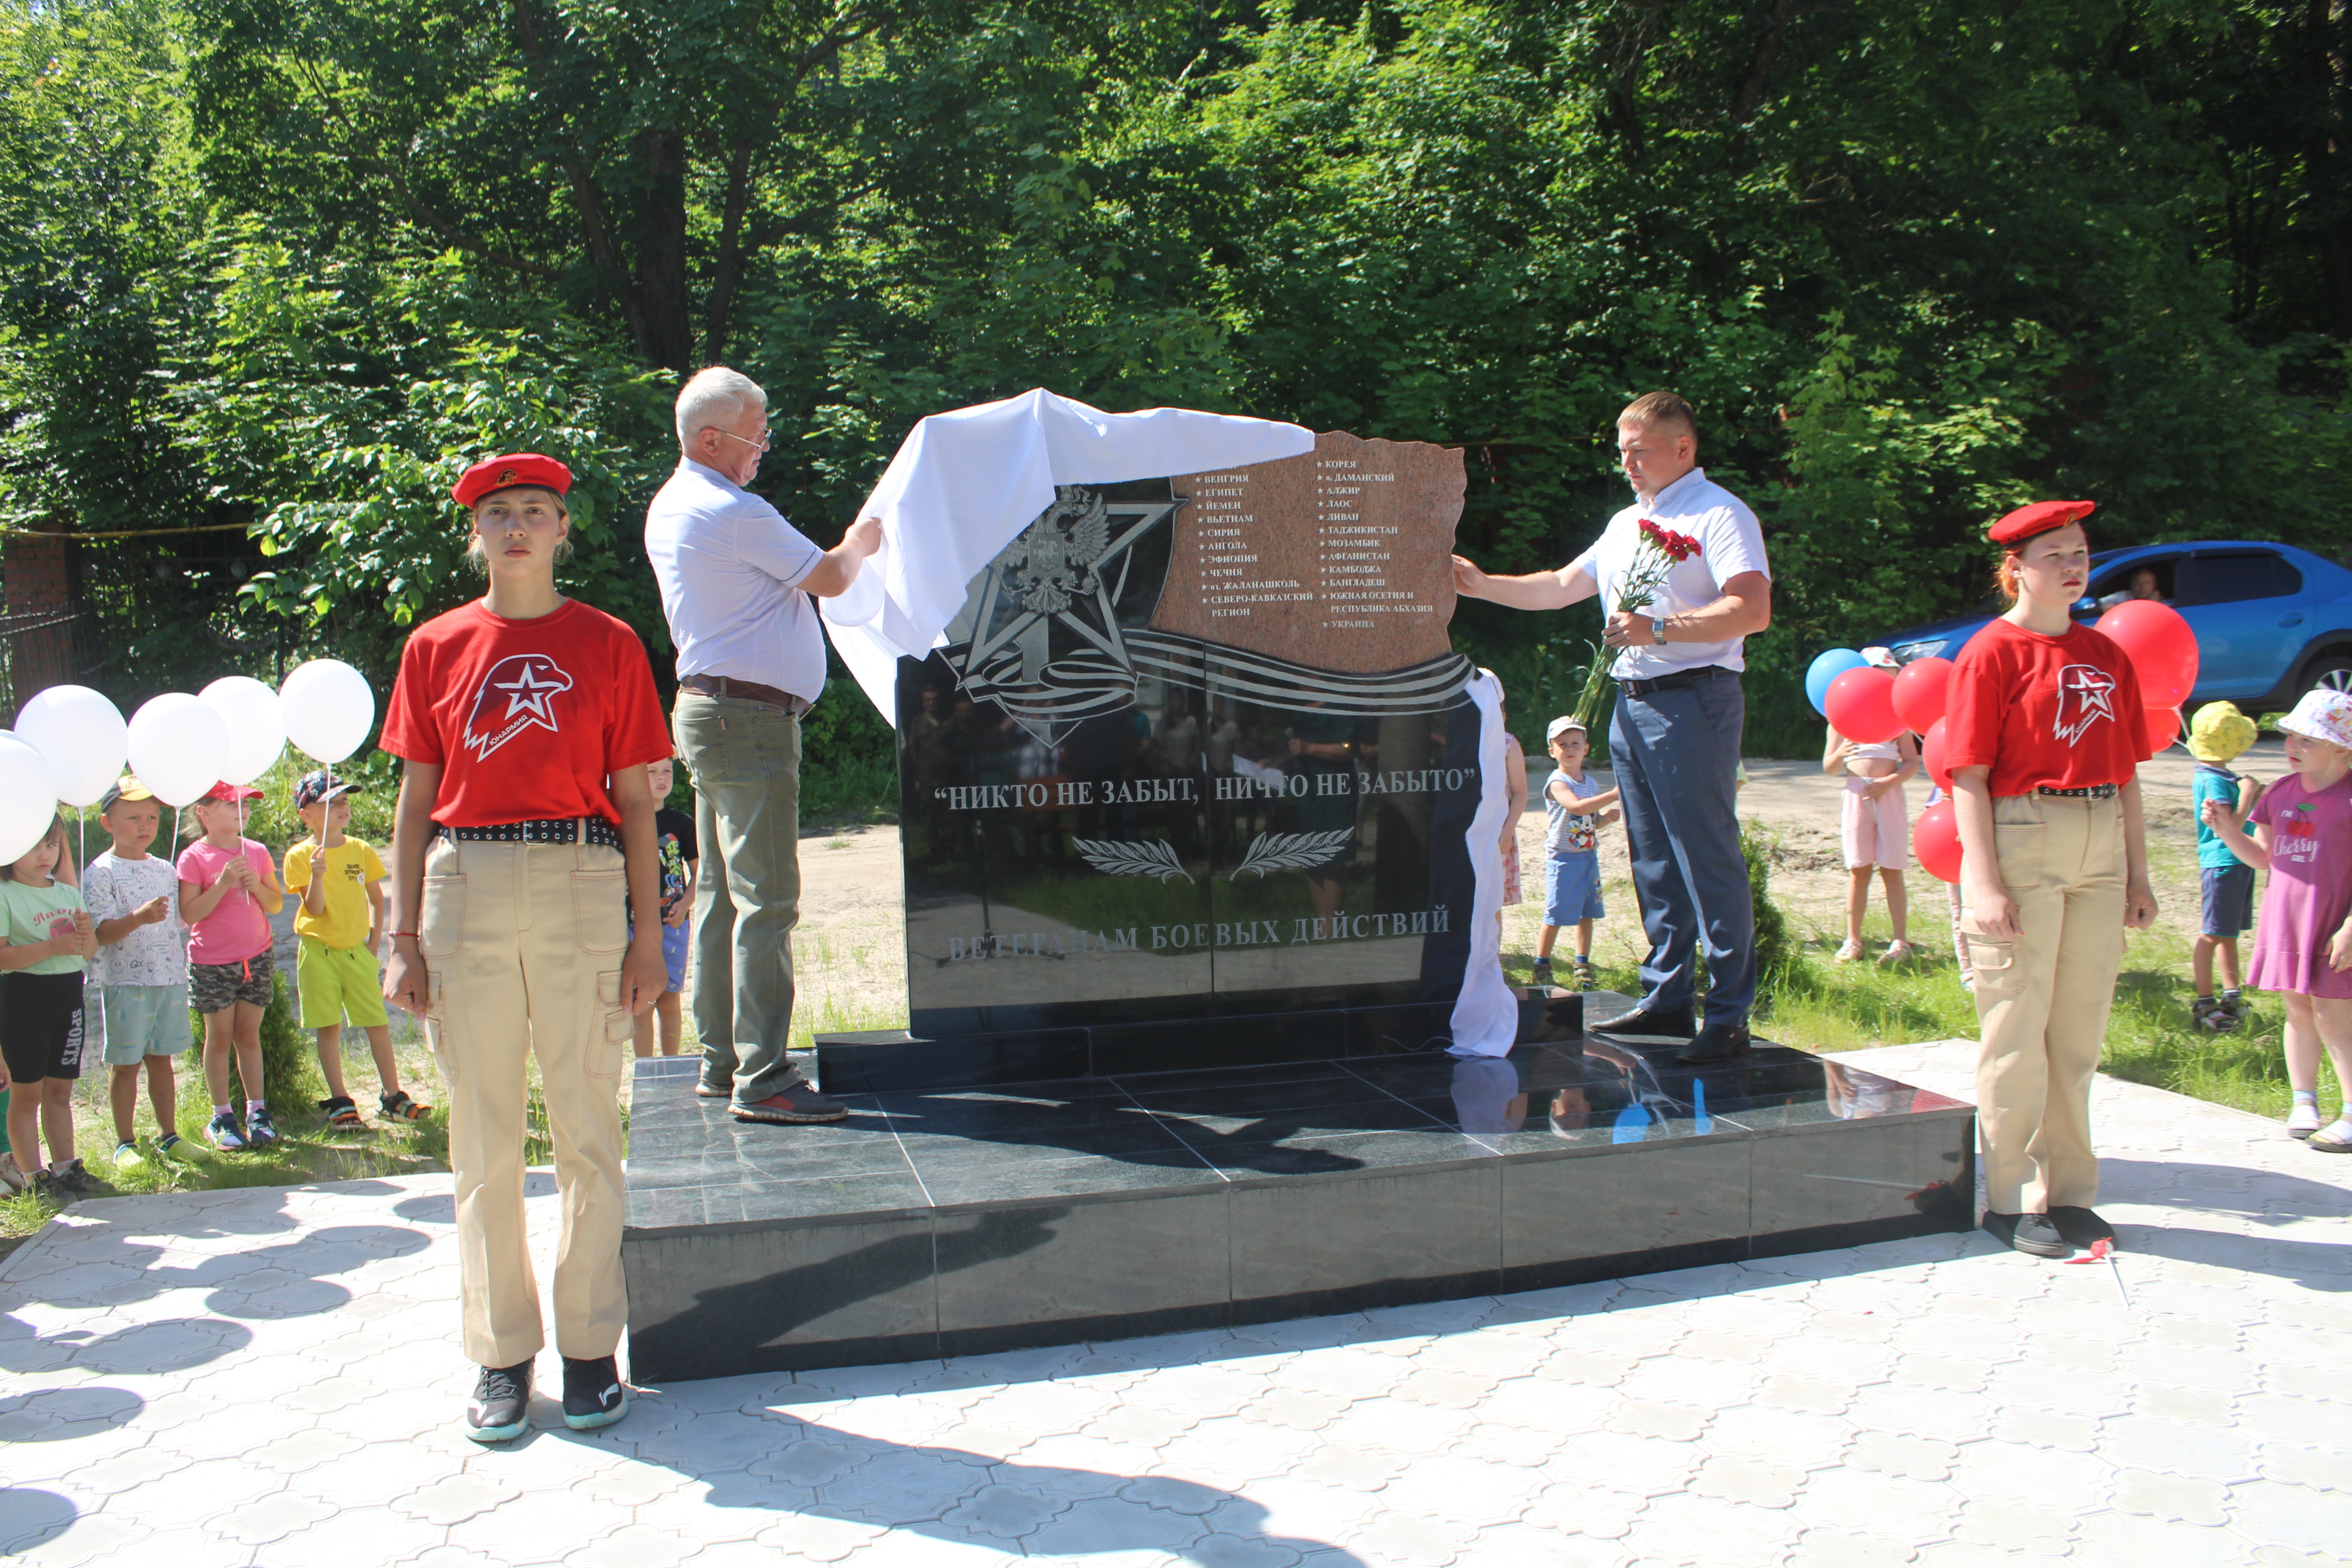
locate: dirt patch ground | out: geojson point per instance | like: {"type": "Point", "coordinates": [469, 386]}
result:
{"type": "Point", "coordinates": [850, 956]}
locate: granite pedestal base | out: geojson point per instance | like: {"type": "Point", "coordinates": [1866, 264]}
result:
{"type": "Point", "coordinates": [959, 1220]}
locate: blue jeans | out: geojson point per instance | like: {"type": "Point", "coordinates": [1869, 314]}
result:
{"type": "Point", "coordinates": [1675, 753]}
{"type": "Point", "coordinates": [744, 758]}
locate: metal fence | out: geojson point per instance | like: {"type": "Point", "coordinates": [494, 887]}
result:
{"type": "Point", "coordinates": [43, 647]}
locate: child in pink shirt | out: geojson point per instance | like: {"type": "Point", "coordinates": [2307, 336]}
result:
{"type": "Point", "coordinates": [228, 890]}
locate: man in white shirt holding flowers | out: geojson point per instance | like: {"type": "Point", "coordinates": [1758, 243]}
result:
{"type": "Point", "coordinates": [1686, 583]}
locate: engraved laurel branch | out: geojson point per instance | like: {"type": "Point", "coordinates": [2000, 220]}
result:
{"type": "Point", "coordinates": [1292, 851]}
{"type": "Point", "coordinates": [1120, 858]}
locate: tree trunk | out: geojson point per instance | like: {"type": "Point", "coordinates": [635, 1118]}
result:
{"type": "Point", "coordinates": [668, 302]}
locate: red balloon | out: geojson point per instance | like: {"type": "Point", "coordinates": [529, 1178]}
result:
{"type": "Point", "coordinates": [1931, 756]}
{"type": "Point", "coordinates": [1922, 688]}
{"type": "Point", "coordinates": [2161, 645]}
{"type": "Point", "coordinates": [2160, 727]}
{"type": "Point", "coordinates": [1937, 842]}
{"type": "Point", "coordinates": [1861, 706]}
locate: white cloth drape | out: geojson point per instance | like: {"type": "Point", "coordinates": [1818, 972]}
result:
{"type": "Point", "coordinates": [1487, 1016]}
{"type": "Point", "coordinates": [964, 483]}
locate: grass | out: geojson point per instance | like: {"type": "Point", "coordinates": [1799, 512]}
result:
{"type": "Point", "coordinates": [308, 1149]}
{"type": "Point", "coordinates": [1813, 1003]}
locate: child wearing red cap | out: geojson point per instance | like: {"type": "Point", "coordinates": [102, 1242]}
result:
{"type": "Point", "coordinates": [2044, 741]}
{"type": "Point", "coordinates": [228, 890]}
{"type": "Point", "coordinates": [524, 722]}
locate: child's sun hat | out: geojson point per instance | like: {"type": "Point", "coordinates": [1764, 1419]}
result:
{"type": "Point", "coordinates": [2322, 715]}
{"type": "Point", "coordinates": [2219, 731]}
{"type": "Point", "coordinates": [1561, 726]}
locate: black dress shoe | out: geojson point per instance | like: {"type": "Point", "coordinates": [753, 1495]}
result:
{"type": "Point", "coordinates": [2080, 1225]}
{"type": "Point", "coordinates": [1716, 1043]}
{"type": "Point", "coordinates": [1643, 1021]}
{"type": "Point", "coordinates": [2028, 1233]}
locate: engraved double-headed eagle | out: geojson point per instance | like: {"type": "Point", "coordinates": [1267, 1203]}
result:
{"type": "Point", "coordinates": [1053, 562]}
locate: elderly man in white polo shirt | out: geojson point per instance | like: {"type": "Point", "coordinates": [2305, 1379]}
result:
{"type": "Point", "coordinates": [1675, 742]}
{"type": "Point", "coordinates": [735, 583]}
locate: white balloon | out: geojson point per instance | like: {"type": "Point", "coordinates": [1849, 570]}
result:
{"type": "Point", "coordinates": [257, 725]}
{"type": "Point", "coordinates": [80, 735]}
{"type": "Point", "coordinates": [178, 745]}
{"type": "Point", "coordinates": [28, 796]}
{"type": "Point", "coordinates": [329, 709]}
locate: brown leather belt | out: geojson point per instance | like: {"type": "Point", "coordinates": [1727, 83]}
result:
{"type": "Point", "coordinates": [749, 691]}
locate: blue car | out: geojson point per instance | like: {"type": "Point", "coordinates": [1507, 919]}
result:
{"type": "Point", "coordinates": [2271, 621]}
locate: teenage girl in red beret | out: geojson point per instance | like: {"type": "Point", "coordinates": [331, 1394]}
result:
{"type": "Point", "coordinates": [2044, 741]}
{"type": "Point", "coordinates": [524, 720]}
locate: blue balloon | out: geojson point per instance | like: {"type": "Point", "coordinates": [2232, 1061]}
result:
{"type": "Point", "coordinates": [1826, 669]}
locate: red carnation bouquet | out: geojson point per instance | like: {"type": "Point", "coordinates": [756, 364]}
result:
{"type": "Point", "coordinates": [1660, 551]}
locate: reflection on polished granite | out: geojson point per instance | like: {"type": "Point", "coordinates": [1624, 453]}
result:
{"type": "Point", "coordinates": [974, 1218]}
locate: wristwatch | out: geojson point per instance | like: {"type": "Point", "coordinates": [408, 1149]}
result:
{"type": "Point", "coordinates": [1658, 630]}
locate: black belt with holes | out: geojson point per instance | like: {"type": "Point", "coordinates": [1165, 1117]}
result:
{"type": "Point", "coordinates": [1678, 678]}
{"type": "Point", "coordinates": [539, 830]}
{"type": "Point", "coordinates": [2089, 792]}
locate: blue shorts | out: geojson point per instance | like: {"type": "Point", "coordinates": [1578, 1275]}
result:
{"type": "Point", "coordinates": [2228, 894]}
{"type": "Point", "coordinates": [144, 1021]}
{"type": "Point", "coordinates": [1573, 889]}
{"type": "Point", "coordinates": [674, 945]}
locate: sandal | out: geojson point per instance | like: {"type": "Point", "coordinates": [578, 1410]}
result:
{"type": "Point", "coordinates": [400, 1108]}
{"type": "Point", "coordinates": [1897, 951]}
{"type": "Point", "coordinates": [1849, 952]}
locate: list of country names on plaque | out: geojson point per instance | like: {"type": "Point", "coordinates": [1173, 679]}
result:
{"type": "Point", "coordinates": [1233, 578]}
{"type": "Point", "coordinates": [1355, 538]}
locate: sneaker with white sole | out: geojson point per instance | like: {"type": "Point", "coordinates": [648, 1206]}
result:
{"type": "Point", "coordinates": [592, 1393]}
{"type": "Point", "coordinates": [260, 1129]}
{"type": "Point", "coordinates": [171, 1146]}
{"type": "Point", "coordinates": [499, 1411]}
{"type": "Point", "coordinates": [2304, 1119]}
{"type": "Point", "coordinates": [225, 1131]}
{"type": "Point", "coordinates": [128, 1156]}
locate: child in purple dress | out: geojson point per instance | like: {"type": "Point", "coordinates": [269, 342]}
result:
{"type": "Point", "coordinates": [2303, 943]}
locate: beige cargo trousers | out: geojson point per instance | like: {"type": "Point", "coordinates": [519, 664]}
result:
{"type": "Point", "coordinates": [523, 944]}
{"type": "Point", "coordinates": [2042, 997]}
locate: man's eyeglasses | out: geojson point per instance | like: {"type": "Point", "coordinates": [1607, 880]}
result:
{"type": "Point", "coordinates": [761, 444]}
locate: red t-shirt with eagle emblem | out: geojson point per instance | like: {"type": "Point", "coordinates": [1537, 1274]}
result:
{"type": "Point", "coordinates": [2063, 712]}
{"type": "Point", "coordinates": [527, 719]}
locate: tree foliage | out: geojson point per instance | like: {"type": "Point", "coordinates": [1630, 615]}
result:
{"type": "Point", "coordinates": [292, 263]}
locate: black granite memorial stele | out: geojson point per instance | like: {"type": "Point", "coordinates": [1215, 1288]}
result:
{"type": "Point", "coordinates": [1184, 801]}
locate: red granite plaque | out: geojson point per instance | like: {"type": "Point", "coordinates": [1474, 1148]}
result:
{"type": "Point", "coordinates": [1340, 559]}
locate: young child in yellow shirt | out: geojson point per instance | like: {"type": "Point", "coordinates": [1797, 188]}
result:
{"type": "Point", "coordinates": [339, 881]}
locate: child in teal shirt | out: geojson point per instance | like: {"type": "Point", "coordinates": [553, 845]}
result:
{"type": "Point", "coordinates": [45, 940]}
{"type": "Point", "coordinates": [2218, 733]}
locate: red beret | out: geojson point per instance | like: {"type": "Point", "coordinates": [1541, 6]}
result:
{"type": "Point", "coordinates": [514, 469]}
{"type": "Point", "coordinates": [2039, 518]}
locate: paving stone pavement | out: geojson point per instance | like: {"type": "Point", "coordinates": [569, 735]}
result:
{"type": "Point", "coordinates": [270, 1377]}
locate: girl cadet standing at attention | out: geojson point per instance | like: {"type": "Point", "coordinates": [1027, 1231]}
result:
{"type": "Point", "coordinates": [2044, 741]}
{"type": "Point", "coordinates": [508, 933]}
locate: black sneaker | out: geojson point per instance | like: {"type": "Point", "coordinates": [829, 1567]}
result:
{"type": "Point", "coordinates": [593, 1395]}
{"type": "Point", "coordinates": [260, 1131]}
{"type": "Point", "coordinates": [798, 1103]}
{"type": "Point", "coordinates": [2028, 1233]}
{"type": "Point", "coordinates": [1716, 1043]}
{"type": "Point", "coordinates": [2080, 1226]}
{"type": "Point", "coordinates": [45, 1185]}
{"type": "Point", "coordinates": [74, 1179]}
{"type": "Point", "coordinates": [1646, 1020]}
{"type": "Point", "coordinates": [499, 1411]}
